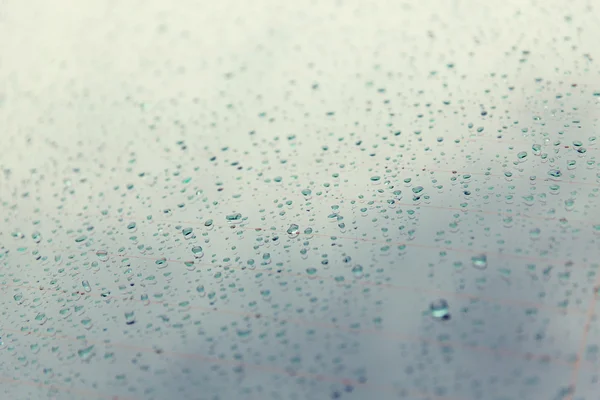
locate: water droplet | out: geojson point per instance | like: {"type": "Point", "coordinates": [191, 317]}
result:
{"type": "Point", "coordinates": [439, 309]}
{"type": "Point", "coordinates": [244, 333]}
{"type": "Point", "coordinates": [198, 251]}
{"type": "Point", "coordinates": [569, 204]}
{"type": "Point", "coordinates": [189, 265]}
{"type": "Point", "coordinates": [293, 230]}
{"type": "Point", "coordinates": [102, 255]}
{"type": "Point", "coordinates": [87, 323]}
{"type": "Point", "coordinates": [555, 173]}
{"type": "Point", "coordinates": [236, 217]}
{"type": "Point", "coordinates": [130, 318]}
{"type": "Point", "coordinates": [480, 261]}
{"type": "Point", "coordinates": [188, 233]}
{"type": "Point", "coordinates": [161, 262]}
{"type": "Point", "coordinates": [357, 271]}
{"type": "Point", "coordinates": [36, 236]}
{"type": "Point", "coordinates": [41, 318]}
{"type": "Point", "coordinates": [534, 234]}
{"type": "Point", "coordinates": [80, 239]}
{"type": "Point", "coordinates": [86, 353]}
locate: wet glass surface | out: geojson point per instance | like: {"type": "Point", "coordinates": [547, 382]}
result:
{"type": "Point", "coordinates": [299, 200]}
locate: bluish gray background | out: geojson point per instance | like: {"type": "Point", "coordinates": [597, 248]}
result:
{"type": "Point", "coordinates": [172, 114]}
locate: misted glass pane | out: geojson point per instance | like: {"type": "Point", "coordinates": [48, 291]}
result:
{"type": "Point", "coordinates": [300, 199]}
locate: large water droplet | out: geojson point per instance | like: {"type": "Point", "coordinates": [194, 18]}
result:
{"type": "Point", "coordinates": [198, 251]}
{"type": "Point", "coordinates": [188, 233]}
{"type": "Point", "coordinates": [102, 255]}
{"type": "Point", "coordinates": [555, 173]}
{"type": "Point", "coordinates": [293, 230]}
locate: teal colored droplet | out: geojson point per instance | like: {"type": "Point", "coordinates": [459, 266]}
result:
{"type": "Point", "coordinates": [86, 353]}
{"type": "Point", "coordinates": [293, 230]}
{"type": "Point", "coordinates": [161, 262]}
{"type": "Point", "coordinates": [197, 251]}
{"type": "Point", "coordinates": [439, 309]}
{"type": "Point", "coordinates": [234, 217]}
{"type": "Point", "coordinates": [357, 271]}
{"type": "Point", "coordinates": [480, 261]}
{"type": "Point", "coordinates": [555, 173]}
{"type": "Point", "coordinates": [102, 255]}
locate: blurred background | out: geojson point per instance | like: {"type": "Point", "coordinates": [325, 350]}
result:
{"type": "Point", "coordinates": [299, 200]}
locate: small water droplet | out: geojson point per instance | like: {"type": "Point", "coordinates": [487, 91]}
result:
{"type": "Point", "coordinates": [357, 271]}
{"type": "Point", "coordinates": [439, 309]}
{"type": "Point", "coordinates": [555, 173]}
{"type": "Point", "coordinates": [80, 239]}
{"type": "Point", "coordinates": [235, 217]}
{"type": "Point", "coordinates": [86, 353]}
{"type": "Point", "coordinates": [130, 318]}
{"type": "Point", "coordinates": [161, 262]}
{"type": "Point", "coordinates": [480, 261]}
